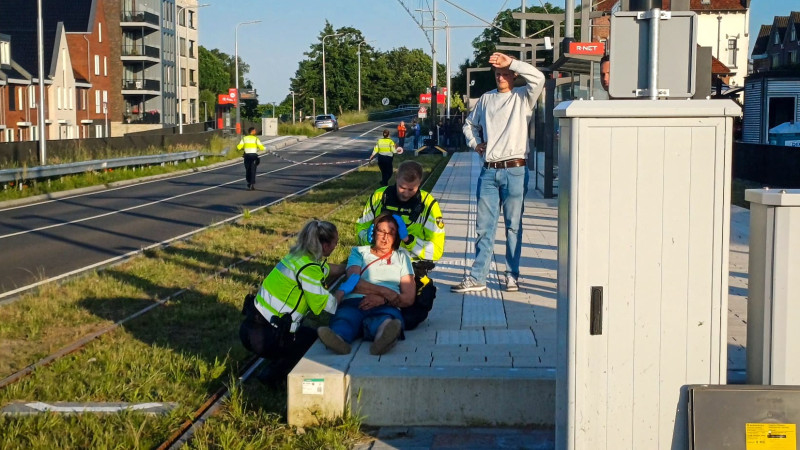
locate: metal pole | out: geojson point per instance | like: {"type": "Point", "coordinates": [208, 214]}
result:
{"type": "Point", "coordinates": [236, 63]}
{"type": "Point", "coordinates": [655, 19]}
{"type": "Point", "coordinates": [569, 21]}
{"type": "Point", "coordinates": [292, 107]}
{"type": "Point", "coordinates": [40, 44]}
{"type": "Point", "coordinates": [522, 33]}
{"type": "Point", "coordinates": [359, 75]}
{"type": "Point", "coordinates": [178, 69]}
{"type": "Point", "coordinates": [105, 111]}
{"type": "Point", "coordinates": [314, 107]}
{"type": "Point", "coordinates": [433, 46]}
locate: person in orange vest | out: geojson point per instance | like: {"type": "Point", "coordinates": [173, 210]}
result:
{"type": "Point", "coordinates": [401, 134]}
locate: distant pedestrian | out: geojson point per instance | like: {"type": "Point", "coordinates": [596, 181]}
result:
{"type": "Point", "coordinates": [417, 131]}
{"type": "Point", "coordinates": [251, 144]}
{"type": "Point", "coordinates": [401, 134]}
{"type": "Point", "coordinates": [504, 115]}
{"type": "Point", "coordinates": [384, 150]}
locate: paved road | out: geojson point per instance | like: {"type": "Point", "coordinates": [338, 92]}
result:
{"type": "Point", "coordinates": [52, 239]}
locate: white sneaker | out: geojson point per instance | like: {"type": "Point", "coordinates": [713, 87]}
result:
{"type": "Point", "coordinates": [386, 337]}
{"type": "Point", "coordinates": [511, 284]}
{"type": "Point", "coordinates": [468, 285]}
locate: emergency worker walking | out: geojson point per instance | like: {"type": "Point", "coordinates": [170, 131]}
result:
{"type": "Point", "coordinates": [422, 232]}
{"type": "Point", "coordinates": [385, 150]}
{"type": "Point", "coordinates": [272, 328]}
{"type": "Point", "coordinates": [251, 144]}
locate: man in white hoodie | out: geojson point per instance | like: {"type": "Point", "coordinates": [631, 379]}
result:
{"type": "Point", "coordinates": [501, 116]}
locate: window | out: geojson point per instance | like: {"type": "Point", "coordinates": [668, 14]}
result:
{"type": "Point", "coordinates": [191, 19]}
{"type": "Point", "coordinates": [781, 110]}
{"type": "Point", "coordinates": [776, 61]}
{"type": "Point", "coordinates": [21, 98]}
{"type": "Point", "coordinates": [97, 102]}
{"type": "Point", "coordinates": [183, 77]}
{"type": "Point", "coordinates": [71, 99]}
{"type": "Point", "coordinates": [34, 133]}
{"type": "Point", "coordinates": [182, 17]}
{"type": "Point", "coordinates": [80, 99]}
{"type": "Point", "coordinates": [5, 52]}
{"type": "Point", "coordinates": [732, 51]}
{"type": "Point", "coordinates": [10, 135]}
{"type": "Point", "coordinates": [105, 66]}
{"type": "Point", "coordinates": [183, 46]}
{"type": "Point", "coordinates": [105, 102]}
{"type": "Point", "coordinates": [58, 95]}
{"type": "Point", "coordinates": [775, 38]}
{"type": "Point", "coordinates": [32, 97]}
{"type": "Point", "coordinates": [12, 102]}
{"type": "Point", "coordinates": [98, 131]}
{"type": "Point", "coordinates": [191, 50]}
{"type": "Point", "coordinates": [97, 64]}
{"type": "Point", "coordinates": [192, 79]}
{"type": "Point", "coordinates": [793, 32]}
{"type": "Point", "coordinates": [100, 32]}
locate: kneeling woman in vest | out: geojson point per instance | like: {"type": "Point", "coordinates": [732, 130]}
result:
{"type": "Point", "coordinates": [294, 287]}
{"type": "Point", "coordinates": [372, 311]}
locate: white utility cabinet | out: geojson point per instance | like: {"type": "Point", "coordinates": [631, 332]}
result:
{"type": "Point", "coordinates": [643, 238]}
{"type": "Point", "coordinates": [773, 312]}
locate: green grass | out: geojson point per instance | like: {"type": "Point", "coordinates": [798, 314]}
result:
{"type": "Point", "coordinates": [177, 353]}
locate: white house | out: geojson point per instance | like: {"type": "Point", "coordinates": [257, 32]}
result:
{"type": "Point", "coordinates": [61, 93]}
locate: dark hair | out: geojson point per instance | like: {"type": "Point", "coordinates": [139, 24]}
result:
{"type": "Point", "coordinates": [409, 171]}
{"type": "Point", "coordinates": [605, 58]}
{"type": "Point", "coordinates": [386, 133]}
{"type": "Point", "coordinates": [386, 216]}
{"type": "Point", "coordinates": [251, 129]}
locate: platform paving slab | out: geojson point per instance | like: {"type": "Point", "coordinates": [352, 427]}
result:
{"type": "Point", "coordinates": [481, 359]}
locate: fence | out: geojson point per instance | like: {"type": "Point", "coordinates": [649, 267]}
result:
{"type": "Point", "coordinates": [769, 165]}
{"type": "Point", "coordinates": [18, 154]}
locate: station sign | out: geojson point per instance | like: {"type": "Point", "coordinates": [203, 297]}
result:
{"type": "Point", "coordinates": [587, 48]}
{"type": "Point", "coordinates": [228, 99]}
{"type": "Point", "coordinates": [426, 98]}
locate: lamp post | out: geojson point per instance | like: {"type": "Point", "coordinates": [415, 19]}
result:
{"type": "Point", "coordinates": [292, 92]}
{"type": "Point", "coordinates": [313, 107]}
{"type": "Point", "coordinates": [236, 63]}
{"type": "Point", "coordinates": [359, 73]}
{"type": "Point", "coordinates": [179, 77]}
{"type": "Point", "coordinates": [273, 110]}
{"type": "Point", "coordinates": [324, 82]}
{"type": "Point", "coordinates": [40, 45]}
{"type": "Point", "coordinates": [447, 55]}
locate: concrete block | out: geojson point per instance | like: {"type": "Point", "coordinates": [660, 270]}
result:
{"type": "Point", "coordinates": [460, 337]}
{"type": "Point", "coordinates": [316, 388]}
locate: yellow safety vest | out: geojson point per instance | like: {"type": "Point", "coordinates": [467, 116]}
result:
{"type": "Point", "coordinates": [385, 147]}
{"type": "Point", "coordinates": [279, 292]}
{"type": "Point", "coordinates": [250, 144]}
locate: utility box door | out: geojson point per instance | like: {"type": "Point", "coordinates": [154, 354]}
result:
{"type": "Point", "coordinates": [269, 127]}
{"type": "Point", "coordinates": [644, 211]}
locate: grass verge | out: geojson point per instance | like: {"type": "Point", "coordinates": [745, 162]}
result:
{"type": "Point", "coordinates": [178, 353]}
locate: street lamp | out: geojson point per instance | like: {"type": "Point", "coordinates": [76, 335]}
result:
{"type": "Point", "coordinates": [313, 106]}
{"type": "Point", "coordinates": [359, 73]}
{"type": "Point", "coordinates": [40, 45]}
{"type": "Point", "coordinates": [236, 63]}
{"type": "Point", "coordinates": [447, 54]}
{"type": "Point", "coordinates": [292, 92]}
{"type": "Point", "coordinates": [179, 87]}
{"type": "Point", "coordinates": [324, 82]}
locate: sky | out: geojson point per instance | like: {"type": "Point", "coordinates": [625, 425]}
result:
{"type": "Point", "coordinates": [274, 47]}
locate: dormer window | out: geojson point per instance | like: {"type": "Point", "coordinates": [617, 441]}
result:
{"type": "Point", "coordinates": [5, 53]}
{"type": "Point", "coordinates": [776, 39]}
{"type": "Point", "coordinates": [793, 33]}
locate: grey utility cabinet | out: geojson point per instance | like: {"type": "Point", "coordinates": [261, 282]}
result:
{"type": "Point", "coordinates": [773, 312]}
{"type": "Point", "coordinates": [643, 238]}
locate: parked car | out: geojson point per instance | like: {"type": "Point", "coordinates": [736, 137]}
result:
{"type": "Point", "coordinates": [326, 122]}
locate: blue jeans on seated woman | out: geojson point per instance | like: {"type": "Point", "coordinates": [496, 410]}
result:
{"type": "Point", "coordinates": [350, 322]}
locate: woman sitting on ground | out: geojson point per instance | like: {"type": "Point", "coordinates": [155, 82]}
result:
{"type": "Point", "coordinates": [294, 287]}
{"type": "Point", "coordinates": [372, 311]}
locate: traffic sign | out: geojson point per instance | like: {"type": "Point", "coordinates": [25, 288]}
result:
{"type": "Point", "coordinates": [385, 101]}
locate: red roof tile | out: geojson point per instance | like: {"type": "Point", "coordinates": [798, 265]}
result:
{"type": "Point", "coordinates": [694, 5]}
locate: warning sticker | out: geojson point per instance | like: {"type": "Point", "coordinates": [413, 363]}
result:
{"type": "Point", "coordinates": [771, 436]}
{"type": "Point", "coordinates": [313, 386]}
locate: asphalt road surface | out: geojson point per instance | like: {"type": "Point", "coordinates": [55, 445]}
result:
{"type": "Point", "coordinates": [53, 239]}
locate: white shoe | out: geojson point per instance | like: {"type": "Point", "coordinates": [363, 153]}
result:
{"type": "Point", "coordinates": [468, 285]}
{"type": "Point", "coordinates": [511, 284]}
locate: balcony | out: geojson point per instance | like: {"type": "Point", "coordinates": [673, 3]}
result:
{"type": "Point", "coordinates": [148, 117]}
{"type": "Point", "coordinates": [137, 51]}
{"type": "Point", "coordinates": [145, 86]}
{"type": "Point", "coordinates": [140, 18]}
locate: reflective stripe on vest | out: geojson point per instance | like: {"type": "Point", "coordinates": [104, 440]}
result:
{"type": "Point", "coordinates": [250, 144]}
{"type": "Point", "coordinates": [385, 146]}
{"type": "Point", "coordinates": [279, 292]}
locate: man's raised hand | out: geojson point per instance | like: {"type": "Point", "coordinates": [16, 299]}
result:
{"type": "Point", "coordinates": [500, 60]}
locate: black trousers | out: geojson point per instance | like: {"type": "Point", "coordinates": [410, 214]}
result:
{"type": "Point", "coordinates": [263, 339]}
{"type": "Point", "coordinates": [250, 163]}
{"type": "Point", "coordinates": [385, 164]}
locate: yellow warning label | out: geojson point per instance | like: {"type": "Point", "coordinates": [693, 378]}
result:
{"type": "Point", "coordinates": [771, 436]}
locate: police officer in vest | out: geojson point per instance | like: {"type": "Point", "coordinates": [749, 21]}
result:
{"type": "Point", "coordinates": [384, 150]}
{"type": "Point", "coordinates": [422, 231]}
{"type": "Point", "coordinates": [251, 144]}
{"type": "Point", "coordinates": [272, 328]}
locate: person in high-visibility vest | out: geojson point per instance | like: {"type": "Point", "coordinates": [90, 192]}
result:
{"type": "Point", "coordinates": [401, 134]}
{"type": "Point", "coordinates": [296, 286]}
{"type": "Point", "coordinates": [422, 231]}
{"type": "Point", "coordinates": [251, 144]}
{"type": "Point", "coordinates": [384, 150]}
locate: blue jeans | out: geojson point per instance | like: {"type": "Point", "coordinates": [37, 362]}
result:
{"type": "Point", "coordinates": [497, 188]}
{"type": "Point", "coordinates": [350, 322]}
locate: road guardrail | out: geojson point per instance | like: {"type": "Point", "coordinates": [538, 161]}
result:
{"type": "Point", "coordinates": [56, 170]}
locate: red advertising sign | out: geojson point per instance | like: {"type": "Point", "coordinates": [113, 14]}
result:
{"type": "Point", "coordinates": [227, 99]}
{"type": "Point", "coordinates": [587, 48]}
{"type": "Point", "coordinates": [426, 98]}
